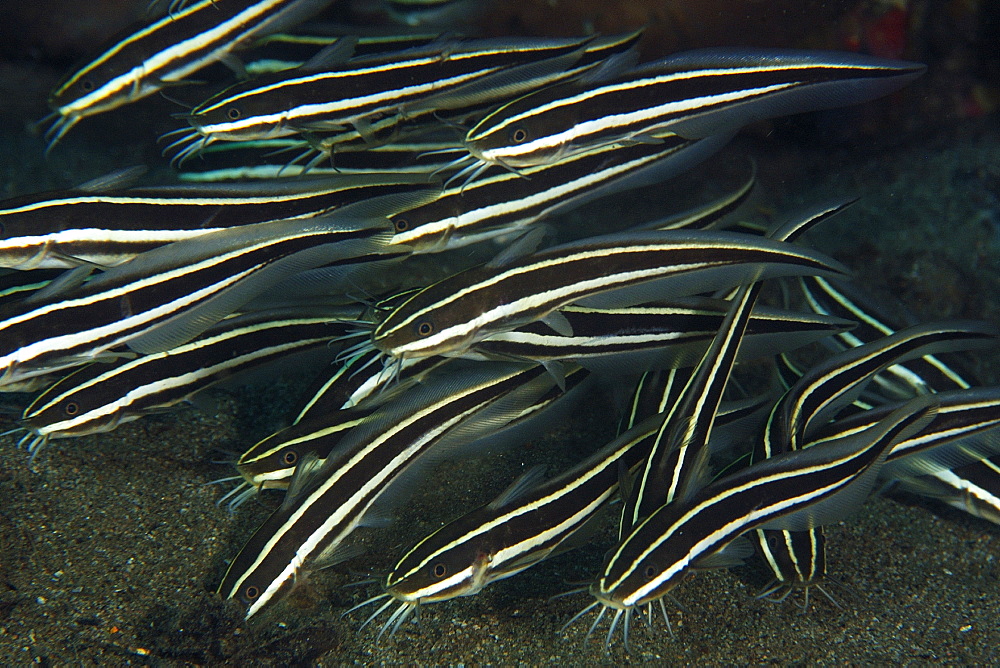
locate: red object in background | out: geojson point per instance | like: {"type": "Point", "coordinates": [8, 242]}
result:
{"type": "Point", "coordinates": [886, 35]}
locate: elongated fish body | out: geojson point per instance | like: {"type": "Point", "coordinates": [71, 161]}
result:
{"type": "Point", "coordinates": [973, 488]}
{"type": "Point", "coordinates": [678, 460]}
{"type": "Point", "coordinates": [360, 382]}
{"type": "Point", "coordinates": [654, 392]}
{"type": "Point", "coordinates": [260, 160]}
{"type": "Point", "coordinates": [516, 531]}
{"type": "Point", "coordinates": [693, 94]}
{"type": "Point", "coordinates": [358, 91]}
{"type": "Point", "coordinates": [924, 462]}
{"type": "Point", "coordinates": [167, 51]}
{"type": "Point", "coordinates": [337, 403]}
{"type": "Point", "coordinates": [504, 538]}
{"type": "Point", "coordinates": [69, 228]}
{"type": "Point", "coordinates": [452, 315]}
{"type": "Point", "coordinates": [99, 397]}
{"type": "Point", "coordinates": [679, 454]}
{"type": "Point", "coordinates": [467, 103]}
{"type": "Point", "coordinates": [504, 203]}
{"type": "Point", "coordinates": [832, 384]}
{"type": "Point", "coordinates": [797, 559]}
{"type": "Point", "coordinates": [321, 510]}
{"type": "Point", "coordinates": [662, 549]}
{"type": "Point", "coordinates": [171, 294]}
{"type": "Point", "coordinates": [681, 333]}
{"type": "Point", "coordinates": [962, 414]}
{"type": "Point", "coordinates": [528, 523]}
{"type": "Point", "coordinates": [15, 285]}
{"type": "Point", "coordinates": [931, 373]}
{"type": "Point", "coordinates": [284, 51]}
{"type": "Point", "coordinates": [270, 463]}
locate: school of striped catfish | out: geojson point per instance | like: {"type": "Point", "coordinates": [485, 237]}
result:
{"type": "Point", "coordinates": [312, 180]}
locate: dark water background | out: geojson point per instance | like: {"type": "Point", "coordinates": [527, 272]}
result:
{"type": "Point", "coordinates": [111, 547]}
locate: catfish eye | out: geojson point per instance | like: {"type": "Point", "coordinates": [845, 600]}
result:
{"type": "Point", "coordinates": [233, 113]}
{"type": "Point", "coordinates": [650, 571]}
{"type": "Point", "coordinates": [86, 85]}
{"type": "Point", "coordinates": [439, 570]}
{"type": "Point", "coordinates": [425, 328]}
{"type": "Point", "coordinates": [251, 593]}
{"type": "Point", "coordinates": [518, 135]}
{"type": "Point", "coordinates": [401, 224]}
{"type": "Point", "coordinates": [290, 457]}
{"type": "Point", "coordinates": [72, 408]}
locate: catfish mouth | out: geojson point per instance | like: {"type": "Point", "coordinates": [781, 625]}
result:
{"type": "Point", "coordinates": [606, 599]}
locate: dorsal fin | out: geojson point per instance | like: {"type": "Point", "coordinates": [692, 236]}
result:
{"type": "Point", "coordinates": [334, 54]}
{"type": "Point", "coordinates": [524, 245]}
{"type": "Point", "coordinates": [559, 323]}
{"type": "Point", "coordinates": [303, 478]}
{"type": "Point", "coordinates": [524, 482]}
{"type": "Point", "coordinates": [117, 180]}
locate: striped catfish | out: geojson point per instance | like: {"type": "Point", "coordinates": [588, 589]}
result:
{"type": "Point", "coordinates": [679, 452]}
{"type": "Point", "coordinates": [693, 94]}
{"type": "Point", "coordinates": [468, 103]}
{"type": "Point", "coordinates": [528, 523]}
{"type": "Point", "coordinates": [970, 487]}
{"type": "Point", "coordinates": [16, 285]}
{"type": "Point", "coordinates": [962, 415]}
{"type": "Point", "coordinates": [270, 463]}
{"type": "Point", "coordinates": [339, 402]}
{"type": "Point", "coordinates": [72, 228]}
{"type": "Point", "coordinates": [99, 397]}
{"type": "Point", "coordinates": [713, 214]}
{"type": "Point", "coordinates": [655, 392]}
{"type": "Point", "coordinates": [679, 455]}
{"type": "Point", "coordinates": [504, 203]}
{"type": "Point", "coordinates": [804, 412]}
{"type": "Point", "coordinates": [829, 386]}
{"type": "Point", "coordinates": [326, 503]}
{"type": "Point", "coordinates": [973, 488]}
{"type": "Point", "coordinates": [797, 559]}
{"type": "Point", "coordinates": [457, 312]}
{"type": "Point", "coordinates": [900, 381]}
{"type": "Point", "coordinates": [359, 380]}
{"type": "Point", "coordinates": [789, 489]}
{"type": "Point", "coordinates": [267, 159]}
{"type": "Point", "coordinates": [168, 295]}
{"type": "Point", "coordinates": [386, 129]}
{"type": "Point", "coordinates": [352, 95]}
{"type": "Point", "coordinates": [661, 333]}
{"type": "Point", "coordinates": [671, 334]}
{"type": "Point", "coordinates": [166, 51]}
